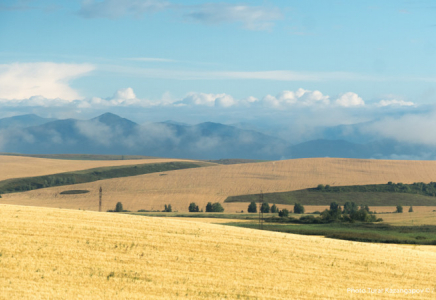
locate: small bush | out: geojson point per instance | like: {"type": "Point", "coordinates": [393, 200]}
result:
{"type": "Point", "coordinates": [410, 209]}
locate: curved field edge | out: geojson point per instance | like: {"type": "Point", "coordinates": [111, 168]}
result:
{"type": "Point", "coordinates": [360, 232]}
{"type": "Point", "coordinates": [54, 253]}
{"type": "Point", "coordinates": [21, 166]}
{"type": "Point", "coordinates": [91, 175]}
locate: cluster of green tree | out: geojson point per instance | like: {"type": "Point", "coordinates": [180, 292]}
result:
{"type": "Point", "coordinates": [264, 208]}
{"type": "Point", "coordinates": [168, 208]}
{"type": "Point", "coordinates": [335, 213]}
{"type": "Point", "coordinates": [399, 209]}
{"type": "Point", "coordinates": [427, 189]}
{"type": "Point", "coordinates": [214, 207]}
{"type": "Point", "coordinates": [91, 175]}
{"type": "Point", "coordinates": [210, 207]}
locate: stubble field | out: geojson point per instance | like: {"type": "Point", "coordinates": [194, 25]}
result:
{"type": "Point", "coordinates": [63, 254]}
{"type": "Point", "coordinates": [22, 166]}
{"type": "Point", "coordinates": [216, 183]}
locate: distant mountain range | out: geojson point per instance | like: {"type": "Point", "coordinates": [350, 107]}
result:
{"type": "Point", "coordinates": [112, 134]}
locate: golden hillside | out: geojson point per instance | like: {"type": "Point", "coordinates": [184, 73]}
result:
{"type": "Point", "coordinates": [215, 183]}
{"type": "Point", "coordinates": [21, 166]}
{"type": "Point", "coordinates": [63, 254]}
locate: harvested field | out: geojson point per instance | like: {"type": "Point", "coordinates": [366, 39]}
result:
{"type": "Point", "coordinates": [21, 166]}
{"type": "Point", "coordinates": [62, 254]}
{"type": "Point", "coordinates": [212, 184]}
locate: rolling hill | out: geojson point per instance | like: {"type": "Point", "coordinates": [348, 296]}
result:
{"type": "Point", "coordinates": [21, 166]}
{"type": "Point", "coordinates": [201, 185]}
{"type": "Point", "coordinates": [68, 254]}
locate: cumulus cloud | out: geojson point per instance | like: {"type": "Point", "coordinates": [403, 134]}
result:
{"type": "Point", "coordinates": [251, 17]}
{"type": "Point", "coordinates": [394, 102]}
{"type": "Point", "coordinates": [46, 79]}
{"type": "Point", "coordinates": [204, 99]}
{"type": "Point", "coordinates": [113, 9]}
{"type": "Point", "coordinates": [301, 97]}
{"type": "Point", "coordinates": [350, 99]}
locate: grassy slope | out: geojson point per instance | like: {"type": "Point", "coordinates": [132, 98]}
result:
{"type": "Point", "coordinates": [52, 253]}
{"type": "Point", "coordinates": [362, 232]}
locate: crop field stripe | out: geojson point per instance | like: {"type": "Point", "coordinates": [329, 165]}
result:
{"type": "Point", "coordinates": [22, 166]}
{"type": "Point", "coordinates": [91, 175]}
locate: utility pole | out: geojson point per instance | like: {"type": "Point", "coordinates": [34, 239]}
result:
{"type": "Point", "coordinates": [99, 202]}
{"type": "Point", "coordinates": [260, 211]}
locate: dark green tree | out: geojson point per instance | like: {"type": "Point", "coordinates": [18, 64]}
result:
{"type": "Point", "coordinates": [265, 208]}
{"type": "Point", "coordinates": [193, 207]}
{"type": "Point", "coordinates": [252, 208]}
{"type": "Point", "coordinates": [298, 208]}
{"type": "Point", "coordinates": [274, 209]}
{"type": "Point", "coordinates": [399, 209]}
{"type": "Point", "coordinates": [119, 207]}
{"type": "Point", "coordinates": [168, 208]}
{"type": "Point", "coordinates": [350, 207]}
{"type": "Point", "coordinates": [209, 207]}
{"type": "Point", "coordinates": [410, 209]}
{"type": "Point", "coordinates": [217, 207]}
{"type": "Point", "coordinates": [284, 213]}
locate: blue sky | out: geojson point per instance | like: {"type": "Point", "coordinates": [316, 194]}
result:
{"type": "Point", "coordinates": [321, 63]}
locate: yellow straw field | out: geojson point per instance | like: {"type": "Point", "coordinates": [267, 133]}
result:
{"type": "Point", "coordinates": [21, 166]}
{"type": "Point", "coordinates": [216, 183]}
{"type": "Point", "coordinates": [48, 253]}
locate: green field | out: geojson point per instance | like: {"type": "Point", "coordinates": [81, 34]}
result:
{"type": "Point", "coordinates": [233, 216]}
{"type": "Point", "coordinates": [362, 232]}
{"type": "Point", "coordinates": [418, 194]}
{"type": "Point", "coordinates": [90, 175]}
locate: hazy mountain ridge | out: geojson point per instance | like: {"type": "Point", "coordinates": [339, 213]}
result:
{"type": "Point", "coordinates": [112, 134]}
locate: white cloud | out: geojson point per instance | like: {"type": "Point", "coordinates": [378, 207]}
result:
{"type": "Point", "coordinates": [204, 99]}
{"type": "Point", "coordinates": [350, 99]}
{"type": "Point", "coordinates": [412, 128]}
{"type": "Point", "coordinates": [301, 97]}
{"type": "Point", "coordinates": [251, 17]}
{"type": "Point", "coordinates": [113, 9]}
{"type": "Point", "coordinates": [394, 102]}
{"type": "Point", "coordinates": [275, 75]}
{"type": "Point", "coordinates": [46, 79]}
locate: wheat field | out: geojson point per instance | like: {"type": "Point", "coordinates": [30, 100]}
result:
{"type": "Point", "coordinates": [216, 183]}
{"type": "Point", "coordinates": [21, 166]}
{"type": "Point", "coordinates": [48, 253]}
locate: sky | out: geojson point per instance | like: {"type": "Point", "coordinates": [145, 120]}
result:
{"type": "Point", "coordinates": [271, 63]}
